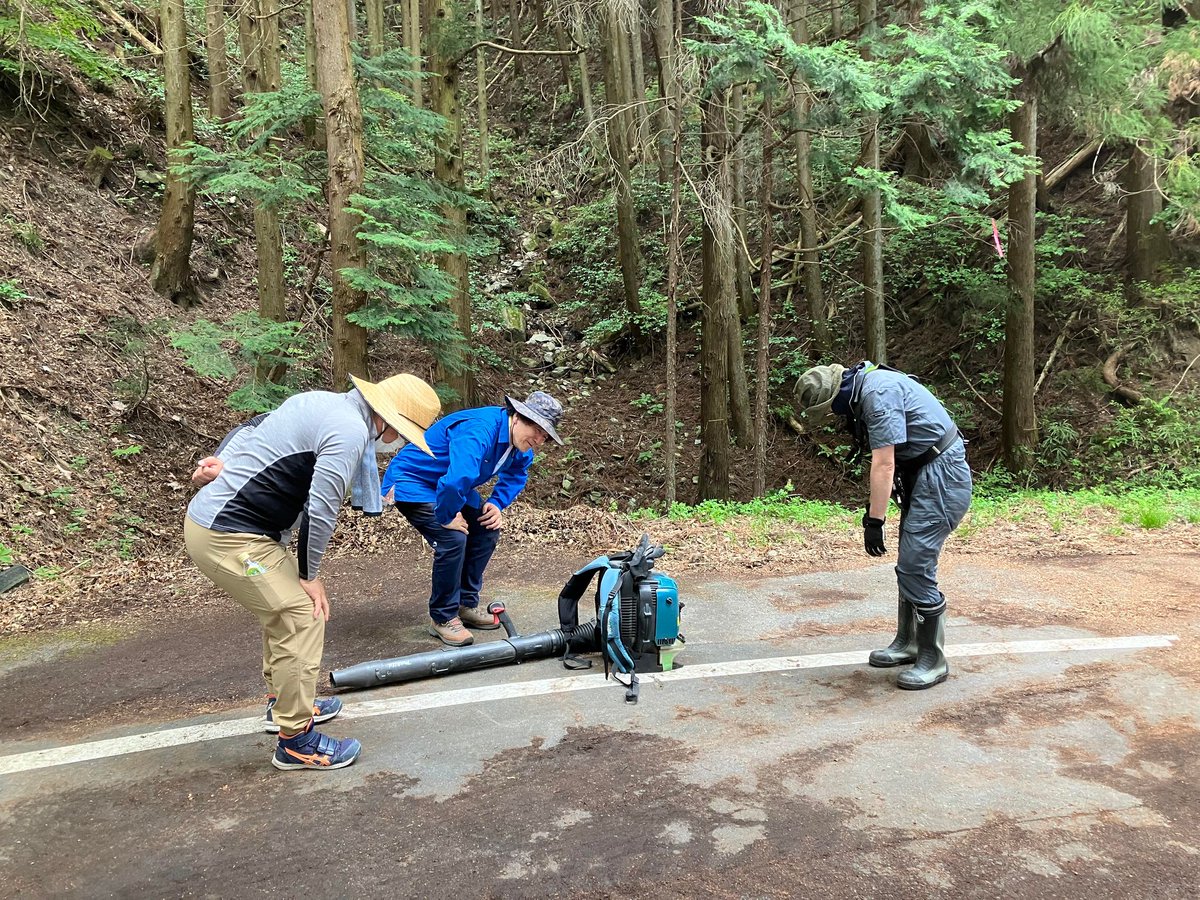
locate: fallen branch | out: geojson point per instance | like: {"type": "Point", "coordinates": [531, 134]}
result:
{"type": "Point", "coordinates": [513, 51]}
{"type": "Point", "coordinates": [1054, 352]}
{"type": "Point", "coordinates": [1183, 376]}
{"type": "Point", "coordinates": [982, 399]}
{"type": "Point", "coordinates": [19, 477]}
{"type": "Point", "coordinates": [1065, 168]}
{"type": "Point", "coordinates": [602, 362]}
{"type": "Point", "coordinates": [1109, 374]}
{"type": "Point", "coordinates": [150, 47]}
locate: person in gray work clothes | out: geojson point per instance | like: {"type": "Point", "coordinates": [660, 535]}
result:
{"type": "Point", "coordinates": [919, 458]}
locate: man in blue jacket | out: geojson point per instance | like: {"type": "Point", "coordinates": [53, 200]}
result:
{"type": "Point", "coordinates": [437, 494]}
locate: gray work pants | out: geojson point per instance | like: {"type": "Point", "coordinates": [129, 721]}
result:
{"type": "Point", "coordinates": [940, 499]}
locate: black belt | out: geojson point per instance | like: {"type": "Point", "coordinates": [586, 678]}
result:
{"type": "Point", "coordinates": [945, 442]}
{"type": "Point", "coordinates": [908, 469]}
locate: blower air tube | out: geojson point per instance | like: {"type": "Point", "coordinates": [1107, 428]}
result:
{"type": "Point", "coordinates": [514, 649]}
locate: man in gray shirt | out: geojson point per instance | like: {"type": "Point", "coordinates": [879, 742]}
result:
{"type": "Point", "coordinates": [291, 473]}
{"type": "Point", "coordinates": [917, 457]}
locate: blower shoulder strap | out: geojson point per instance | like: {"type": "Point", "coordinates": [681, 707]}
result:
{"type": "Point", "coordinates": [572, 592]}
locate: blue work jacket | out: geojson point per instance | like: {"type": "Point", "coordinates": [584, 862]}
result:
{"type": "Point", "coordinates": [467, 448]}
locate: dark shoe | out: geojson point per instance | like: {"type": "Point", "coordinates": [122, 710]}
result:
{"type": "Point", "coordinates": [323, 711]}
{"type": "Point", "coordinates": [312, 750]}
{"type": "Point", "coordinates": [903, 649]}
{"type": "Point", "coordinates": [931, 667]}
{"type": "Point", "coordinates": [480, 619]}
{"type": "Point", "coordinates": [451, 633]}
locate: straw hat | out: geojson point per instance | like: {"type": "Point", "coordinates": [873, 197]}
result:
{"type": "Point", "coordinates": [405, 402]}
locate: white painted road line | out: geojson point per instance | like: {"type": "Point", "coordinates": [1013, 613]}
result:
{"type": "Point", "coordinates": [212, 731]}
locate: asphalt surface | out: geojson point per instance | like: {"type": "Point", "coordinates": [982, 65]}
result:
{"type": "Point", "coordinates": [1032, 772]}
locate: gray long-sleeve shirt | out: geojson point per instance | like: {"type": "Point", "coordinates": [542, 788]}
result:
{"type": "Point", "coordinates": [296, 464]}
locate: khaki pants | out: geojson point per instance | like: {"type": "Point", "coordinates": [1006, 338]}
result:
{"type": "Point", "coordinates": [292, 638]}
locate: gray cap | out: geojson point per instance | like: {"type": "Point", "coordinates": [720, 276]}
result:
{"type": "Point", "coordinates": [541, 409]}
{"type": "Point", "coordinates": [815, 393]}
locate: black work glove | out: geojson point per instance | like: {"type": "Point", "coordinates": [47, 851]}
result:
{"type": "Point", "coordinates": [873, 536]}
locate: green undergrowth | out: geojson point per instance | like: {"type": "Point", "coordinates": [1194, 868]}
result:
{"type": "Point", "coordinates": [1144, 508]}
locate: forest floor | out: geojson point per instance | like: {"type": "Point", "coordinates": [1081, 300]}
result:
{"type": "Point", "coordinates": [1062, 758]}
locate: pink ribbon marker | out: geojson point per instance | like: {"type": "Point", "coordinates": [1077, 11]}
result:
{"type": "Point", "coordinates": [996, 239]}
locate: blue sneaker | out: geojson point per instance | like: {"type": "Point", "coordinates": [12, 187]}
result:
{"type": "Point", "coordinates": [312, 750]}
{"type": "Point", "coordinates": [323, 711]}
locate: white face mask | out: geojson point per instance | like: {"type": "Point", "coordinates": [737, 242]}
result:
{"type": "Point", "coordinates": [390, 447]}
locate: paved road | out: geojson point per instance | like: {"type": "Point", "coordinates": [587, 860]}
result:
{"type": "Point", "coordinates": [1033, 772]}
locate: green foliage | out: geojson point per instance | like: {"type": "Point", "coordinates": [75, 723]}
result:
{"type": "Point", "coordinates": [1148, 508]}
{"type": "Point", "coordinates": [946, 75]}
{"type": "Point", "coordinates": [1151, 443]}
{"type": "Point", "coordinates": [37, 34]}
{"type": "Point", "coordinates": [26, 234]}
{"type": "Point", "coordinates": [11, 294]}
{"type": "Point", "coordinates": [126, 452]}
{"type": "Point", "coordinates": [244, 345]}
{"type": "Point", "coordinates": [587, 242]}
{"type": "Point", "coordinates": [256, 165]}
{"type": "Point", "coordinates": [648, 404]}
{"type": "Point", "coordinates": [782, 505]}
{"type": "Point", "coordinates": [404, 225]}
{"type": "Point", "coordinates": [6, 557]}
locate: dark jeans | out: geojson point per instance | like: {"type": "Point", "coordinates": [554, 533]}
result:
{"type": "Point", "coordinates": [458, 559]}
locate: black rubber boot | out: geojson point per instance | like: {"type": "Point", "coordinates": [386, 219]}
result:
{"type": "Point", "coordinates": [931, 667]}
{"type": "Point", "coordinates": [902, 651]}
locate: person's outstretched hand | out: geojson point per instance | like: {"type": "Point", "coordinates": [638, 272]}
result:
{"type": "Point", "coordinates": [873, 536]}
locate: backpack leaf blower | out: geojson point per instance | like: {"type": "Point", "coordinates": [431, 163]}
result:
{"type": "Point", "coordinates": [636, 629]}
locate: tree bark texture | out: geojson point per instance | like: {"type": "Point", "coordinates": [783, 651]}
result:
{"type": "Point", "coordinates": [763, 356]}
{"type": "Point", "coordinates": [716, 297]}
{"type": "Point", "coordinates": [1019, 432]}
{"type": "Point", "coordinates": [258, 33]}
{"type": "Point", "coordinates": [560, 43]}
{"type": "Point", "coordinates": [664, 44]}
{"type": "Point", "coordinates": [448, 170]}
{"type": "Point", "coordinates": [1146, 244]}
{"type": "Point", "coordinates": [637, 83]}
{"type": "Point", "coordinates": [874, 325]}
{"type": "Point", "coordinates": [585, 80]}
{"type": "Point", "coordinates": [412, 33]}
{"type": "Point", "coordinates": [481, 105]}
{"type": "Point", "coordinates": [669, 45]}
{"type": "Point", "coordinates": [618, 147]}
{"type": "Point", "coordinates": [514, 34]}
{"type": "Point", "coordinates": [314, 132]}
{"type": "Point", "coordinates": [737, 116]}
{"type": "Point", "coordinates": [171, 273]}
{"type": "Point", "coordinates": [218, 60]}
{"type": "Point", "coordinates": [344, 134]}
{"type": "Point", "coordinates": [375, 27]}
{"type": "Point", "coordinates": [809, 260]}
